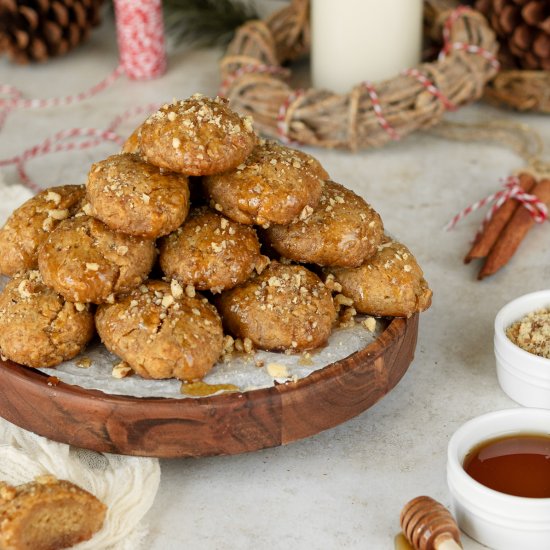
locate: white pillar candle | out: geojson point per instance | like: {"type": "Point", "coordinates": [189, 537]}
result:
{"type": "Point", "coordinates": [357, 40]}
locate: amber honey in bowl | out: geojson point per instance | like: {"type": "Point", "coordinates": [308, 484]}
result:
{"type": "Point", "coordinates": [517, 465]}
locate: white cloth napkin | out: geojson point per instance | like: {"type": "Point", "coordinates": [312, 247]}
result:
{"type": "Point", "coordinates": [126, 485]}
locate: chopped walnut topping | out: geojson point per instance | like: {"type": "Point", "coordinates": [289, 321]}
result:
{"type": "Point", "coordinates": [23, 290]}
{"type": "Point", "coordinates": [47, 224]}
{"type": "Point", "coordinates": [52, 196]}
{"type": "Point", "coordinates": [167, 300]}
{"type": "Point", "coordinates": [92, 267]}
{"type": "Point", "coordinates": [247, 344]}
{"type": "Point", "coordinates": [190, 291]}
{"type": "Point", "coordinates": [248, 123]}
{"type": "Point", "coordinates": [306, 212]}
{"type": "Point", "coordinates": [277, 370]}
{"type": "Point", "coordinates": [171, 116]}
{"type": "Point", "coordinates": [121, 370]}
{"type": "Point", "coordinates": [228, 344]}
{"type": "Point", "coordinates": [84, 363]}
{"type": "Point", "coordinates": [176, 289]}
{"type": "Point", "coordinates": [369, 323]}
{"type": "Point", "coordinates": [59, 214]}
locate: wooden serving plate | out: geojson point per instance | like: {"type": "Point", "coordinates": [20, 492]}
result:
{"type": "Point", "coordinates": [223, 424]}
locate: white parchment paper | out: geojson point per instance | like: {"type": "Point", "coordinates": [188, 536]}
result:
{"type": "Point", "coordinates": [241, 370]}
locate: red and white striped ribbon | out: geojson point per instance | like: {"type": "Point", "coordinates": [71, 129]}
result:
{"type": "Point", "coordinates": [140, 33]}
{"type": "Point", "coordinates": [510, 190]}
{"type": "Point", "coordinates": [431, 87]}
{"type": "Point", "coordinates": [448, 46]}
{"type": "Point", "coordinates": [282, 118]}
{"type": "Point", "coordinates": [70, 140]}
{"type": "Point", "coordinates": [260, 68]}
{"type": "Point", "coordinates": [377, 108]}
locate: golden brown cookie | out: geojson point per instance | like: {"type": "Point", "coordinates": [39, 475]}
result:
{"type": "Point", "coordinates": [137, 198]}
{"type": "Point", "coordinates": [286, 307]}
{"type": "Point", "coordinates": [198, 136]}
{"type": "Point", "coordinates": [389, 284]}
{"type": "Point", "coordinates": [47, 514]}
{"type": "Point", "coordinates": [343, 230]}
{"type": "Point", "coordinates": [275, 184]}
{"type": "Point", "coordinates": [211, 252]}
{"type": "Point", "coordinates": [38, 328]}
{"type": "Point", "coordinates": [131, 145]}
{"type": "Point", "coordinates": [29, 226]}
{"type": "Point", "coordinates": [161, 332]}
{"type": "Point", "coordinates": [85, 261]}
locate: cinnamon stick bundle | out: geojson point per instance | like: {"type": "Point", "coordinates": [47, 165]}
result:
{"type": "Point", "coordinates": [513, 232]}
{"type": "Point", "coordinates": [493, 228]}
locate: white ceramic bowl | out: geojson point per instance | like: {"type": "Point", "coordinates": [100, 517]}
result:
{"type": "Point", "coordinates": [495, 519]}
{"type": "Point", "coordinates": [525, 377]}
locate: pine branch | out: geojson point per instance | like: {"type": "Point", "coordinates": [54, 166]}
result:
{"type": "Point", "coordinates": [205, 23]}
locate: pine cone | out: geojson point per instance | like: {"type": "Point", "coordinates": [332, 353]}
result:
{"type": "Point", "coordinates": [35, 30]}
{"type": "Point", "coordinates": [523, 30]}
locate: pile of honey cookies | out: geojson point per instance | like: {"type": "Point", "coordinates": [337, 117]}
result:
{"type": "Point", "coordinates": [198, 234]}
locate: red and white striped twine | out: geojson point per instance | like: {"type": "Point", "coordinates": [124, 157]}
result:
{"type": "Point", "coordinates": [431, 87]}
{"type": "Point", "coordinates": [510, 190]}
{"type": "Point", "coordinates": [282, 117]}
{"type": "Point", "coordinates": [377, 108]}
{"type": "Point", "coordinates": [140, 33]}
{"type": "Point", "coordinates": [448, 46]}
{"type": "Point", "coordinates": [260, 68]}
{"type": "Point", "coordinates": [69, 140]}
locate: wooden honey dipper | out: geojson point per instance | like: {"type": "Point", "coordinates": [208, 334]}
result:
{"type": "Point", "coordinates": [428, 525]}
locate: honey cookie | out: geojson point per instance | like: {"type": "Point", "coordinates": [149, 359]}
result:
{"type": "Point", "coordinates": [47, 514]}
{"type": "Point", "coordinates": [275, 184]}
{"type": "Point", "coordinates": [161, 332]}
{"type": "Point", "coordinates": [38, 328]}
{"type": "Point", "coordinates": [286, 307]}
{"type": "Point", "coordinates": [29, 226]}
{"type": "Point", "coordinates": [211, 252]}
{"type": "Point", "coordinates": [137, 198]}
{"type": "Point", "coordinates": [85, 261]}
{"type": "Point", "coordinates": [343, 230]}
{"type": "Point", "coordinates": [131, 145]}
{"type": "Point", "coordinates": [389, 284]}
{"type": "Point", "coordinates": [197, 136]}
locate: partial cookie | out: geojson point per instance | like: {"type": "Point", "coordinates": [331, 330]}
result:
{"type": "Point", "coordinates": [47, 514]}
{"type": "Point", "coordinates": [131, 145]}
{"type": "Point", "coordinates": [343, 230]}
{"type": "Point", "coordinates": [198, 136]}
{"type": "Point", "coordinates": [137, 198]}
{"type": "Point", "coordinates": [286, 307]}
{"type": "Point", "coordinates": [38, 328]}
{"type": "Point", "coordinates": [211, 252]}
{"type": "Point", "coordinates": [29, 226]}
{"type": "Point", "coordinates": [85, 261]}
{"type": "Point", "coordinates": [161, 332]}
{"type": "Point", "coordinates": [390, 284]}
{"type": "Point", "coordinates": [274, 185]}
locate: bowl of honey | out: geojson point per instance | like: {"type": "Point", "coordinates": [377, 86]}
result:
{"type": "Point", "coordinates": [498, 473]}
{"type": "Point", "coordinates": [522, 349]}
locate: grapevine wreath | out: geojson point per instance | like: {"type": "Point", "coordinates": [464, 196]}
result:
{"type": "Point", "coordinates": [255, 79]}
